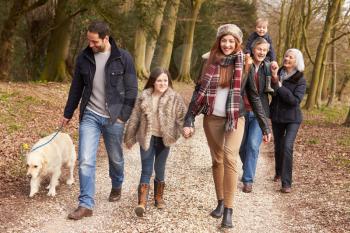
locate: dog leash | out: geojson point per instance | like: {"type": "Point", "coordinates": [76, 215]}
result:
{"type": "Point", "coordinates": [59, 130]}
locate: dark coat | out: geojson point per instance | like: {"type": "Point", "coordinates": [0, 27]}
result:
{"type": "Point", "coordinates": [285, 104]}
{"type": "Point", "coordinates": [120, 88]}
{"type": "Point", "coordinates": [263, 72]}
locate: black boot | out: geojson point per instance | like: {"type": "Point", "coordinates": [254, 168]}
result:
{"type": "Point", "coordinates": [227, 218]}
{"type": "Point", "coordinates": [219, 210]}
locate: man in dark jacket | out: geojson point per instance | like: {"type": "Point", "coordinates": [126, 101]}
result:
{"type": "Point", "coordinates": [105, 85]}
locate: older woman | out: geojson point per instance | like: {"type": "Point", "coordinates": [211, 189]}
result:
{"type": "Point", "coordinates": [290, 86]}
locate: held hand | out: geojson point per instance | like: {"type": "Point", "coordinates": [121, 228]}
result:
{"type": "Point", "coordinates": [120, 121]}
{"type": "Point", "coordinates": [267, 138]}
{"type": "Point", "coordinates": [187, 132]}
{"type": "Point", "coordinates": [128, 146]}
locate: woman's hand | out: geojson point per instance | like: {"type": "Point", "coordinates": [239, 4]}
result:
{"type": "Point", "coordinates": [187, 132]}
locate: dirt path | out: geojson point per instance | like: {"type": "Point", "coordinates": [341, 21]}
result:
{"type": "Point", "coordinates": [189, 196]}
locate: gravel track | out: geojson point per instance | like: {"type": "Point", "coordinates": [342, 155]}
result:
{"type": "Point", "coordinates": [189, 195]}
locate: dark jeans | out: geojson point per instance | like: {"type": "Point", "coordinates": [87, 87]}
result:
{"type": "Point", "coordinates": [156, 156]}
{"type": "Point", "coordinates": [284, 136]}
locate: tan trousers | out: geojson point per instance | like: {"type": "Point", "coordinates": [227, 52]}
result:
{"type": "Point", "coordinates": [224, 149]}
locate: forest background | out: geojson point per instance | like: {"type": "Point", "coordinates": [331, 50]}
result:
{"type": "Point", "coordinates": [40, 40]}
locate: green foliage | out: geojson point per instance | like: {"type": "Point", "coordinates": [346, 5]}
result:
{"type": "Point", "coordinates": [17, 105]}
{"type": "Point", "coordinates": [342, 161]}
{"type": "Point", "coordinates": [344, 141]}
{"type": "Point", "coordinates": [213, 13]}
{"type": "Point", "coordinates": [5, 96]}
{"type": "Point", "coordinates": [33, 31]}
{"type": "Point", "coordinates": [325, 114]}
{"type": "Point", "coordinates": [314, 141]}
{"type": "Point", "coordinates": [14, 127]}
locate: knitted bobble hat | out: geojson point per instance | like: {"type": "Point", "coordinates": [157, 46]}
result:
{"type": "Point", "coordinates": [230, 29]}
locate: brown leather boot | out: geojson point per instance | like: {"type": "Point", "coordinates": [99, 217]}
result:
{"type": "Point", "coordinates": [142, 196]}
{"type": "Point", "coordinates": [80, 213]}
{"type": "Point", "coordinates": [158, 194]}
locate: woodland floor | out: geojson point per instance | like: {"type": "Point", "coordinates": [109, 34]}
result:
{"type": "Point", "coordinates": [320, 201]}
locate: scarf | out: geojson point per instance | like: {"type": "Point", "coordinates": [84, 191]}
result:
{"type": "Point", "coordinates": [204, 101]}
{"type": "Point", "coordinates": [284, 75]}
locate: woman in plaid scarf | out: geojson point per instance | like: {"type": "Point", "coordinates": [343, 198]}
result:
{"type": "Point", "coordinates": [218, 95]}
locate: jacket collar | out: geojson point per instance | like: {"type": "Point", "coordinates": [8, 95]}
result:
{"type": "Point", "coordinates": [295, 77]}
{"type": "Point", "coordinates": [147, 94]}
{"type": "Point", "coordinates": [115, 52]}
{"type": "Point", "coordinates": [146, 98]}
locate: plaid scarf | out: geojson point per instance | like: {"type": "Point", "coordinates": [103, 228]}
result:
{"type": "Point", "coordinates": [208, 87]}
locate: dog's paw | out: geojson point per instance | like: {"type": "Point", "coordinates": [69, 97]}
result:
{"type": "Point", "coordinates": [70, 181]}
{"type": "Point", "coordinates": [51, 193]}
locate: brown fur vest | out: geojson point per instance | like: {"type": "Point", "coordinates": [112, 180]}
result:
{"type": "Point", "coordinates": [172, 110]}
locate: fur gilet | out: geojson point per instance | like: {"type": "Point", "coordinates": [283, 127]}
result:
{"type": "Point", "coordinates": [172, 110]}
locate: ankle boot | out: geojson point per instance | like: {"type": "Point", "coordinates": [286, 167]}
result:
{"type": "Point", "coordinates": [158, 194]}
{"type": "Point", "coordinates": [219, 210]}
{"type": "Point", "coordinates": [227, 218]}
{"type": "Point", "coordinates": [142, 199]}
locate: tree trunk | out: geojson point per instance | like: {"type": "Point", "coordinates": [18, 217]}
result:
{"type": "Point", "coordinates": [167, 36]}
{"type": "Point", "coordinates": [6, 37]}
{"type": "Point", "coordinates": [282, 29]}
{"type": "Point", "coordinates": [153, 36]}
{"type": "Point", "coordinates": [139, 53]}
{"type": "Point", "coordinates": [55, 66]}
{"type": "Point", "coordinates": [185, 66]}
{"type": "Point", "coordinates": [306, 22]}
{"type": "Point", "coordinates": [143, 22]}
{"type": "Point", "coordinates": [330, 19]}
{"type": "Point", "coordinates": [333, 77]}
{"type": "Point", "coordinates": [288, 26]}
{"type": "Point", "coordinates": [300, 5]}
{"type": "Point", "coordinates": [347, 121]}
{"type": "Point", "coordinates": [322, 79]}
{"type": "Point", "coordinates": [343, 87]}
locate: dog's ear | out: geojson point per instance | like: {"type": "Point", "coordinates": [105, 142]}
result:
{"type": "Point", "coordinates": [44, 162]}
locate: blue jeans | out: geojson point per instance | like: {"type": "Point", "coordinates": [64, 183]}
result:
{"type": "Point", "coordinates": [157, 153]}
{"type": "Point", "coordinates": [91, 127]}
{"type": "Point", "coordinates": [249, 150]}
{"type": "Point", "coordinates": [284, 135]}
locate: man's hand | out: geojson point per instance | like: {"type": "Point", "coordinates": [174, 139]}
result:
{"type": "Point", "coordinates": [64, 122]}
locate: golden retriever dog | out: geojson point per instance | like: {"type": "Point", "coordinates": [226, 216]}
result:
{"type": "Point", "coordinates": [47, 158]}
